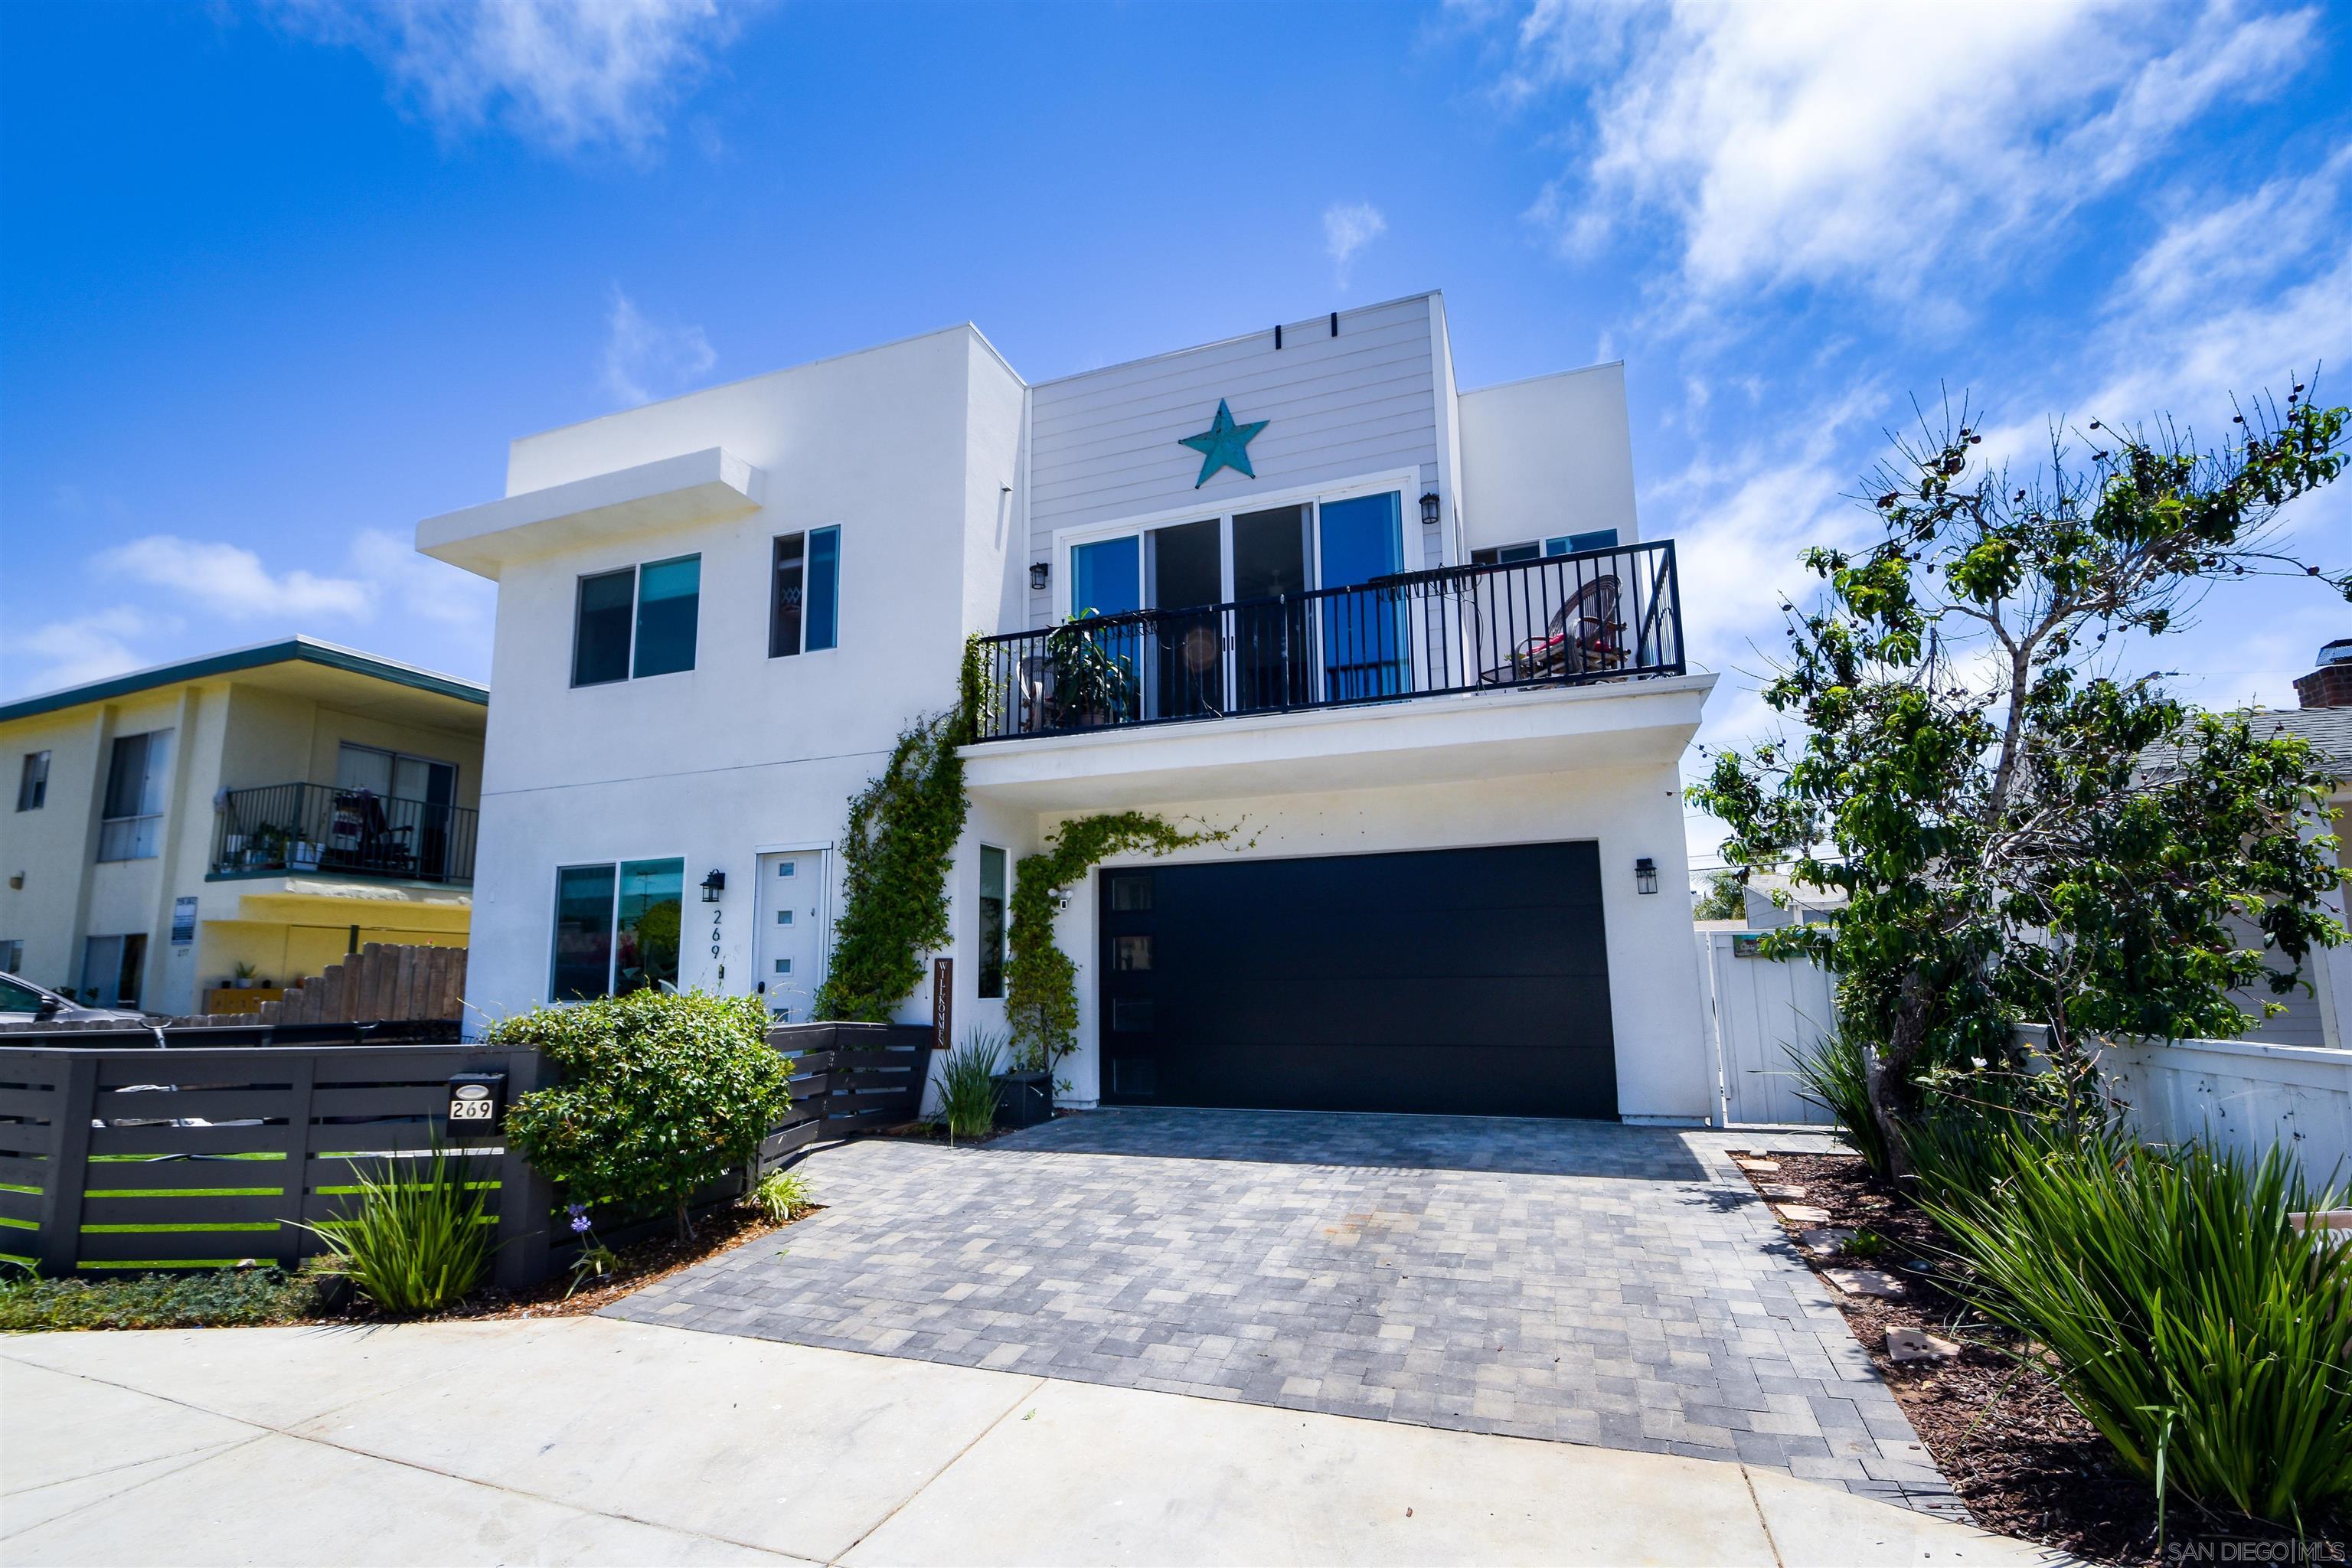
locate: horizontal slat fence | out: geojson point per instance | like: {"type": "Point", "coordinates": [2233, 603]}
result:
{"type": "Point", "coordinates": [118, 1156]}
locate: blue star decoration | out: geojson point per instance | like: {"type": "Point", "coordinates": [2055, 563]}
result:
{"type": "Point", "coordinates": [1224, 444]}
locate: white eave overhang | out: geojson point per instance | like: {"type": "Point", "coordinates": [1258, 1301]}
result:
{"type": "Point", "coordinates": [700, 486]}
{"type": "Point", "coordinates": [1422, 739]}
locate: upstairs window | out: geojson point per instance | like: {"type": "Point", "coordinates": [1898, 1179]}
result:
{"type": "Point", "coordinates": [33, 784]}
{"type": "Point", "coordinates": [804, 593]}
{"type": "Point", "coordinates": [130, 826]}
{"type": "Point", "coordinates": [637, 621]}
{"type": "Point", "coordinates": [1558, 544]}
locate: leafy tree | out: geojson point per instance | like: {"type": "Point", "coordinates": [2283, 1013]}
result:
{"type": "Point", "coordinates": [2024, 833]}
{"type": "Point", "coordinates": [1725, 899]}
{"type": "Point", "coordinates": [661, 1094]}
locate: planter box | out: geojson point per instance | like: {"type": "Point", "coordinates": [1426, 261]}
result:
{"type": "Point", "coordinates": [1024, 1099]}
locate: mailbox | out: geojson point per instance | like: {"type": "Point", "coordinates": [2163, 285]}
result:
{"type": "Point", "coordinates": [477, 1099]}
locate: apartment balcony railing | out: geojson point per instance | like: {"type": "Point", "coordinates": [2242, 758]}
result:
{"type": "Point", "coordinates": [1598, 614]}
{"type": "Point", "coordinates": [297, 828]}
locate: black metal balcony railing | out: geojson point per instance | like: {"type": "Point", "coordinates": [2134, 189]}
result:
{"type": "Point", "coordinates": [1598, 614]}
{"type": "Point", "coordinates": [349, 832]}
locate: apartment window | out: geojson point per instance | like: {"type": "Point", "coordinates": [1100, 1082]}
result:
{"type": "Point", "coordinates": [637, 621]}
{"type": "Point", "coordinates": [804, 593]}
{"type": "Point", "coordinates": [991, 920]}
{"type": "Point", "coordinates": [33, 784]}
{"type": "Point", "coordinates": [617, 928]}
{"type": "Point", "coordinates": [1558, 544]}
{"type": "Point", "coordinates": [110, 969]}
{"type": "Point", "coordinates": [132, 823]}
{"type": "Point", "coordinates": [12, 955]}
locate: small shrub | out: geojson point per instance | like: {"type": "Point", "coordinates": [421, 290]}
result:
{"type": "Point", "coordinates": [661, 1095]}
{"type": "Point", "coordinates": [968, 1084]}
{"type": "Point", "coordinates": [1865, 1244]}
{"type": "Point", "coordinates": [1830, 1075]}
{"type": "Point", "coordinates": [784, 1195]}
{"type": "Point", "coordinates": [2194, 1326]}
{"type": "Point", "coordinates": [421, 1238]}
{"type": "Point", "coordinates": [218, 1297]}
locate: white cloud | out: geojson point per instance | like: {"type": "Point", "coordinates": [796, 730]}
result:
{"type": "Point", "coordinates": [1872, 145]}
{"type": "Point", "coordinates": [2238, 243]}
{"type": "Point", "coordinates": [421, 586]}
{"type": "Point", "coordinates": [564, 74]}
{"type": "Point", "coordinates": [231, 581]}
{"type": "Point", "coordinates": [1348, 227]}
{"type": "Point", "coordinates": [85, 648]}
{"type": "Point", "coordinates": [643, 359]}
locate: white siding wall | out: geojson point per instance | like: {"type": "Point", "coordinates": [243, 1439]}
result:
{"type": "Point", "coordinates": [1103, 445]}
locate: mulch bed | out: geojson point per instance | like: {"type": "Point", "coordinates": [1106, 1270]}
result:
{"type": "Point", "coordinates": [2020, 1456]}
{"type": "Point", "coordinates": [641, 1264]}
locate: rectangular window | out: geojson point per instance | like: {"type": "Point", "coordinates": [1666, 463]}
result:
{"type": "Point", "coordinates": [1130, 952]}
{"type": "Point", "coordinates": [669, 599]}
{"type": "Point", "coordinates": [1107, 578]}
{"type": "Point", "coordinates": [991, 920]}
{"type": "Point", "coordinates": [600, 638]}
{"type": "Point", "coordinates": [1506, 554]}
{"type": "Point", "coordinates": [12, 955]}
{"type": "Point", "coordinates": [617, 928]}
{"type": "Point", "coordinates": [1131, 892]}
{"type": "Point", "coordinates": [132, 818]}
{"type": "Point", "coordinates": [804, 602]}
{"type": "Point", "coordinates": [637, 621]}
{"type": "Point", "coordinates": [1573, 543]}
{"type": "Point", "coordinates": [112, 968]}
{"type": "Point", "coordinates": [33, 784]}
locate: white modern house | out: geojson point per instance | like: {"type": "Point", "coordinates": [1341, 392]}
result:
{"type": "Point", "coordinates": [1406, 639]}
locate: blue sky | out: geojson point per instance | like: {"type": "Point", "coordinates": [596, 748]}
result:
{"type": "Point", "coordinates": [278, 280]}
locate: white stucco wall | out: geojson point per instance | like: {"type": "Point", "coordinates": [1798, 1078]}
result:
{"type": "Point", "coordinates": [913, 450]}
{"type": "Point", "coordinates": [1549, 455]}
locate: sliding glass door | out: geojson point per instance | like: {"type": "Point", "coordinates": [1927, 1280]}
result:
{"type": "Point", "coordinates": [1361, 539]}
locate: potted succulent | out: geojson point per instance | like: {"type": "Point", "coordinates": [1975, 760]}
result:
{"type": "Point", "coordinates": [241, 975]}
{"type": "Point", "coordinates": [1024, 1093]}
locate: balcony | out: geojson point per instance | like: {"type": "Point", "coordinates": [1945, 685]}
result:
{"type": "Point", "coordinates": [1564, 620]}
{"type": "Point", "coordinates": [318, 828]}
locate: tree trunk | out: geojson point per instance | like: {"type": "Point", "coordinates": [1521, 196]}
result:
{"type": "Point", "coordinates": [1886, 1075]}
{"type": "Point", "coordinates": [685, 1222]}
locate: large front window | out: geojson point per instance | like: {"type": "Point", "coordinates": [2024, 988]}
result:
{"type": "Point", "coordinates": [617, 928]}
{"type": "Point", "coordinates": [637, 621]}
{"type": "Point", "coordinates": [132, 825]}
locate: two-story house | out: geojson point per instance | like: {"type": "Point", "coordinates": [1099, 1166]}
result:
{"type": "Point", "coordinates": [272, 807]}
{"type": "Point", "coordinates": [1406, 639]}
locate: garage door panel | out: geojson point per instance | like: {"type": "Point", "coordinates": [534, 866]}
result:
{"type": "Point", "coordinates": [1462, 981]}
{"type": "Point", "coordinates": [1276, 943]}
{"type": "Point", "coordinates": [1444, 1010]}
{"type": "Point", "coordinates": [1355, 1077]}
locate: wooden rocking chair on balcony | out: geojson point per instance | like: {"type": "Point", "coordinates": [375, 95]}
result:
{"type": "Point", "coordinates": [1583, 636]}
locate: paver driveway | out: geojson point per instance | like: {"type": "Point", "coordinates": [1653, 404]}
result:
{"type": "Point", "coordinates": [1578, 1281]}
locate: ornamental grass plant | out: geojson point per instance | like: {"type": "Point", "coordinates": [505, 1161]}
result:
{"type": "Point", "coordinates": [2191, 1321]}
{"type": "Point", "coordinates": [421, 1238]}
{"type": "Point", "coordinates": [968, 1085]}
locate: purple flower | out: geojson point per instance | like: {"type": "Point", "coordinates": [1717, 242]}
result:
{"type": "Point", "coordinates": [579, 1218]}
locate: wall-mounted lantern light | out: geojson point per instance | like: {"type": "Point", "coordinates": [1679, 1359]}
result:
{"type": "Point", "coordinates": [1039, 572]}
{"type": "Point", "coordinates": [1429, 510]}
{"type": "Point", "coordinates": [1645, 874]}
{"type": "Point", "coordinates": [712, 886]}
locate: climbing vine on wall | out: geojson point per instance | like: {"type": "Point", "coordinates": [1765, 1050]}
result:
{"type": "Point", "coordinates": [1041, 983]}
{"type": "Point", "coordinates": [895, 856]}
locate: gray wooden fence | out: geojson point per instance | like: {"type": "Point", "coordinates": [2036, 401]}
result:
{"type": "Point", "coordinates": [118, 1159]}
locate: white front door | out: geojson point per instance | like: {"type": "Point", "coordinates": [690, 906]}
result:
{"type": "Point", "coordinates": [791, 901]}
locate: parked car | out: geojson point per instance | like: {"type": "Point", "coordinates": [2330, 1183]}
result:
{"type": "Point", "coordinates": [22, 1002]}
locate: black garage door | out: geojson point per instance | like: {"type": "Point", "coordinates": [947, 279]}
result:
{"type": "Point", "coordinates": [1468, 981]}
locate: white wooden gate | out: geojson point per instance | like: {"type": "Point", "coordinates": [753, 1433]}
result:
{"type": "Point", "coordinates": [1758, 1011]}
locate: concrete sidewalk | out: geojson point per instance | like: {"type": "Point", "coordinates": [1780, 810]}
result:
{"type": "Point", "coordinates": [587, 1440]}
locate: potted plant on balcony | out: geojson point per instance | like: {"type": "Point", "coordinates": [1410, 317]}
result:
{"type": "Point", "coordinates": [1092, 684]}
{"type": "Point", "coordinates": [303, 856]}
